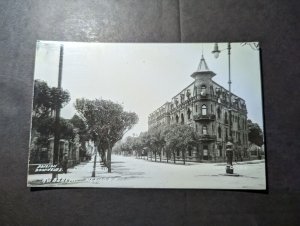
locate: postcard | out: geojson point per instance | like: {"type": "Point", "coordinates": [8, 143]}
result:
{"type": "Point", "coordinates": [147, 115]}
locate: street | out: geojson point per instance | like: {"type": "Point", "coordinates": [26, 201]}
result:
{"type": "Point", "coordinates": [129, 172]}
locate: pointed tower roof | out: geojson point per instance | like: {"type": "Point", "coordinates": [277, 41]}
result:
{"type": "Point", "coordinates": [202, 65]}
{"type": "Point", "coordinates": [203, 69]}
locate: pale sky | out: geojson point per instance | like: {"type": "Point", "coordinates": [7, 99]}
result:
{"type": "Point", "coordinates": [142, 77]}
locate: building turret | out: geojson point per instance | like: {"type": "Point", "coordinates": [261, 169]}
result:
{"type": "Point", "coordinates": [203, 77]}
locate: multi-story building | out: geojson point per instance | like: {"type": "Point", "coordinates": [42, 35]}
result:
{"type": "Point", "coordinates": [205, 106]}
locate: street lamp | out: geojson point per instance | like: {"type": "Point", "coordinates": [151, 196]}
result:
{"type": "Point", "coordinates": [229, 146]}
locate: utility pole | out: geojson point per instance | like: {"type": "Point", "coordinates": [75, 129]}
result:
{"type": "Point", "coordinates": [56, 153]}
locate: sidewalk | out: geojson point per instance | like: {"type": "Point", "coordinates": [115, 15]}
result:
{"type": "Point", "coordinates": [76, 174]}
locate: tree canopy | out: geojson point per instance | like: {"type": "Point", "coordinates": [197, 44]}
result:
{"type": "Point", "coordinates": [255, 134]}
{"type": "Point", "coordinates": [46, 99]}
{"type": "Point", "coordinates": [173, 139]}
{"type": "Point", "coordinates": [107, 122]}
{"type": "Point", "coordinates": [179, 138]}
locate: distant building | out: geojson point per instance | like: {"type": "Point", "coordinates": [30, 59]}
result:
{"type": "Point", "coordinates": [204, 105]}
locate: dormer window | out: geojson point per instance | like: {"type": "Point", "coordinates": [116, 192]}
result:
{"type": "Point", "coordinates": [176, 101]}
{"type": "Point", "coordinates": [218, 92]}
{"type": "Point", "coordinates": [188, 94]}
{"type": "Point", "coordinates": [182, 98]}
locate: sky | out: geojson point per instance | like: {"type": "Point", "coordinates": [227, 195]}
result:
{"type": "Point", "coordinates": [143, 76]}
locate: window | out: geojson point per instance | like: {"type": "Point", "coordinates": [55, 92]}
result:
{"type": "Point", "coordinates": [189, 113]}
{"type": "Point", "coordinates": [204, 130]}
{"type": "Point", "coordinates": [204, 110]}
{"type": "Point", "coordinates": [220, 150]}
{"type": "Point", "coordinates": [226, 135]}
{"type": "Point", "coordinates": [196, 128]}
{"type": "Point", "coordinates": [211, 109]}
{"type": "Point", "coordinates": [212, 91]}
{"type": "Point", "coordinates": [181, 98]}
{"type": "Point", "coordinates": [205, 150]}
{"type": "Point", "coordinates": [182, 119]}
{"type": "Point", "coordinates": [219, 113]}
{"type": "Point", "coordinates": [196, 108]}
{"type": "Point", "coordinates": [177, 118]}
{"type": "Point", "coordinates": [226, 118]}
{"type": "Point", "coordinates": [203, 90]}
{"type": "Point", "coordinates": [219, 132]}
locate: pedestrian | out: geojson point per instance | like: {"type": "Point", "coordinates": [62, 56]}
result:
{"type": "Point", "coordinates": [65, 163]}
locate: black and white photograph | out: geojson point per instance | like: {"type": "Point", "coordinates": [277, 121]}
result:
{"type": "Point", "coordinates": [147, 115]}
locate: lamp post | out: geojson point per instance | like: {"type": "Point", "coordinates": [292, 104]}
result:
{"type": "Point", "coordinates": [229, 145]}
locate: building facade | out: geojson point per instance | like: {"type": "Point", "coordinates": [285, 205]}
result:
{"type": "Point", "coordinates": [205, 106]}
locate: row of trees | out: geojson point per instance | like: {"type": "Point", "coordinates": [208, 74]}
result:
{"type": "Point", "coordinates": [106, 123]}
{"type": "Point", "coordinates": [102, 121]}
{"type": "Point", "coordinates": [173, 139]}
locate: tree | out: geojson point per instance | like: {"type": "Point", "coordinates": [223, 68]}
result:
{"type": "Point", "coordinates": [145, 142]}
{"type": "Point", "coordinates": [46, 99]}
{"type": "Point", "coordinates": [137, 146]}
{"type": "Point", "coordinates": [67, 129]}
{"type": "Point", "coordinates": [82, 131]}
{"type": "Point", "coordinates": [179, 138]}
{"type": "Point", "coordinates": [59, 98]}
{"type": "Point", "coordinates": [107, 123]}
{"type": "Point", "coordinates": [41, 98]}
{"type": "Point", "coordinates": [157, 141]}
{"type": "Point", "coordinates": [255, 134]}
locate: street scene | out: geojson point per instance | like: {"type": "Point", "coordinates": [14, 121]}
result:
{"type": "Point", "coordinates": [130, 172]}
{"type": "Point", "coordinates": [147, 116]}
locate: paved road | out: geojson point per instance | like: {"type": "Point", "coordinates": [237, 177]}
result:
{"type": "Point", "coordinates": [137, 173]}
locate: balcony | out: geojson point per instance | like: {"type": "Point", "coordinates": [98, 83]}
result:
{"type": "Point", "coordinates": [208, 117]}
{"type": "Point", "coordinates": [206, 137]}
{"type": "Point", "coordinates": [204, 97]}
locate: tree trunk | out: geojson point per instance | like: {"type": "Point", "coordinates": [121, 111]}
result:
{"type": "Point", "coordinates": [174, 157]}
{"type": "Point", "coordinates": [94, 167]}
{"type": "Point", "coordinates": [183, 156]}
{"type": "Point", "coordinates": [155, 155]}
{"type": "Point", "coordinates": [103, 157]}
{"type": "Point", "coordinates": [167, 157]}
{"type": "Point", "coordinates": [108, 160]}
{"type": "Point", "coordinates": [160, 155]}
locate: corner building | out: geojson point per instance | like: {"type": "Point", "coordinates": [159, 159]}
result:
{"type": "Point", "coordinates": [204, 105]}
